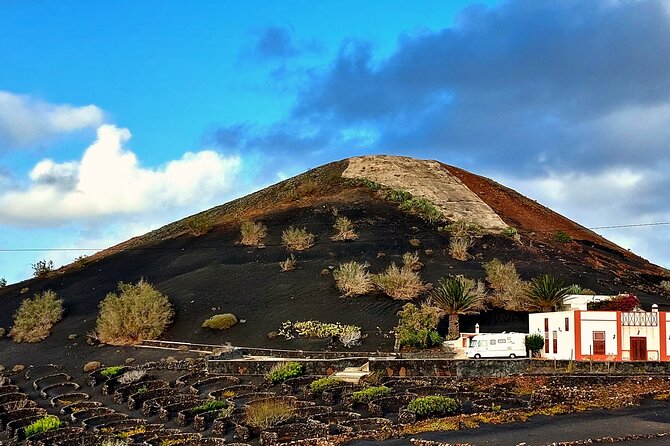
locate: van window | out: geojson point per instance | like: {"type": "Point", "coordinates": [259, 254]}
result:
{"type": "Point", "coordinates": [483, 343]}
{"type": "Point", "coordinates": [473, 343]}
{"type": "Point", "coordinates": [493, 342]}
{"type": "Point", "coordinates": [502, 341]}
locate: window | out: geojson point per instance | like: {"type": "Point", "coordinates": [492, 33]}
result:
{"type": "Point", "coordinates": [598, 342]}
{"type": "Point", "coordinates": [501, 341]}
{"type": "Point", "coordinates": [546, 335]}
{"type": "Point", "coordinates": [567, 324]}
{"type": "Point", "coordinates": [546, 324]}
{"type": "Point", "coordinates": [493, 342]}
{"type": "Point", "coordinates": [555, 336]}
{"type": "Point", "coordinates": [483, 343]}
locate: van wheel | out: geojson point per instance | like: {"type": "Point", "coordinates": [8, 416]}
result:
{"type": "Point", "coordinates": [478, 356]}
{"type": "Point", "coordinates": [512, 355]}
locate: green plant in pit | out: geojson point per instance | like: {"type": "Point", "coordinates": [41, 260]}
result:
{"type": "Point", "coordinates": [220, 321]}
{"type": "Point", "coordinates": [143, 389]}
{"type": "Point", "coordinates": [111, 372]}
{"type": "Point", "coordinates": [353, 279]}
{"type": "Point", "coordinates": [417, 326]}
{"type": "Point", "coordinates": [264, 414]}
{"type": "Point", "coordinates": [283, 371]}
{"type": "Point", "coordinates": [370, 393]}
{"type": "Point", "coordinates": [209, 406]}
{"type": "Point", "coordinates": [319, 385]}
{"type": "Point", "coordinates": [36, 316]}
{"type": "Point", "coordinates": [434, 405]}
{"type": "Point", "coordinates": [45, 424]}
{"type": "Point", "coordinates": [563, 237]}
{"type": "Point", "coordinates": [456, 296]}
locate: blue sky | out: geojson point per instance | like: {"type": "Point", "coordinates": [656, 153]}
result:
{"type": "Point", "coordinates": [116, 116]}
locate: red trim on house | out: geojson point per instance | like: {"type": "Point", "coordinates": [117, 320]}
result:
{"type": "Point", "coordinates": [619, 337]}
{"type": "Point", "coordinates": [663, 347]}
{"type": "Point", "coordinates": [578, 334]}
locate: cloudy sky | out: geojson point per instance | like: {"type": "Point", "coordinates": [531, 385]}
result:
{"type": "Point", "coordinates": [118, 117]}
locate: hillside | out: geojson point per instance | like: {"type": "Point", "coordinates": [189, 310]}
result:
{"type": "Point", "coordinates": [200, 265]}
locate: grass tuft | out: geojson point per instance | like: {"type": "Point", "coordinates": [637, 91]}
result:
{"type": "Point", "coordinates": [352, 279]}
{"type": "Point", "coordinates": [220, 321]}
{"type": "Point", "coordinates": [283, 371]}
{"type": "Point", "coordinates": [264, 414]}
{"type": "Point", "coordinates": [288, 264]}
{"type": "Point", "coordinates": [297, 239]}
{"type": "Point", "coordinates": [399, 283]}
{"type": "Point", "coordinates": [253, 233]}
{"type": "Point", "coordinates": [459, 246]}
{"type": "Point", "coordinates": [344, 230]}
{"type": "Point", "coordinates": [45, 424]}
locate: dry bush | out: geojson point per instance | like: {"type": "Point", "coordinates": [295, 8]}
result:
{"type": "Point", "coordinates": [35, 317]}
{"type": "Point", "coordinates": [253, 233]}
{"type": "Point", "coordinates": [132, 376]}
{"type": "Point", "coordinates": [288, 264]}
{"type": "Point", "coordinates": [345, 230]}
{"type": "Point", "coordinates": [509, 291]}
{"type": "Point", "coordinates": [411, 260]}
{"type": "Point", "coordinates": [264, 414]}
{"type": "Point", "coordinates": [458, 247]}
{"type": "Point", "coordinates": [138, 312]}
{"type": "Point", "coordinates": [665, 286]}
{"type": "Point", "coordinates": [399, 283]}
{"type": "Point", "coordinates": [199, 224]}
{"type": "Point", "coordinates": [352, 279]}
{"type": "Point", "coordinates": [297, 239]}
{"type": "Point", "coordinates": [220, 321]}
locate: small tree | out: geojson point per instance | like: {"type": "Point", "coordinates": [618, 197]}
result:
{"type": "Point", "coordinates": [534, 343]}
{"type": "Point", "coordinates": [417, 326]}
{"type": "Point", "coordinates": [3, 282]}
{"type": "Point", "coordinates": [456, 296]}
{"type": "Point", "coordinates": [546, 293]}
{"type": "Point", "coordinates": [42, 267]}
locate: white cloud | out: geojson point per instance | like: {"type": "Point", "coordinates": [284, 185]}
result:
{"type": "Point", "coordinates": [25, 120]}
{"type": "Point", "coordinates": [109, 181]}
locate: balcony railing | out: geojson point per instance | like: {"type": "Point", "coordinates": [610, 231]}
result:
{"type": "Point", "coordinates": [639, 319]}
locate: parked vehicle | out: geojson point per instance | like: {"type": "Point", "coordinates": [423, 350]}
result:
{"type": "Point", "coordinates": [497, 345]}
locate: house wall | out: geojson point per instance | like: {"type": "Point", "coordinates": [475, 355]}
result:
{"type": "Point", "coordinates": [606, 321]}
{"type": "Point", "coordinates": [565, 338]}
{"type": "Point", "coordinates": [653, 337]}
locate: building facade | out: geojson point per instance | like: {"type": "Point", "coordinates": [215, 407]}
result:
{"type": "Point", "coordinates": [603, 335]}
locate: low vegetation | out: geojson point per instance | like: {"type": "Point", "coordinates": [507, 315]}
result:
{"type": "Point", "coordinates": [137, 313]}
{"type": "Point", "coordinates": [209, 406]}
{"type": "Point", "coordinates": [534, 343]}
{"type": "Point", "coordinates": [36, 316]}
{"type": "Point", "coordinates": [349, 335]}
{"type": "Point", "coordinates": [509, 291]}
{"type": "Point", "coordinates": [417, 326]}
{"type": "Point", "coordinates": [563, 237]}
{"type": "Point", "coordinates": [353, 279]}
{"type": "Point", "coordinates": [283, 371]}
{"type": "Point", "coordinates": [423, 208]}
{"type": "Point", "coordinates": [434, 405]}
{"type": "Point", "coordinates": [399, 283]}
{"type": "Point", "coordinates": [288, 264]}
{"type": "Point", "coordinates": [112, 372]}
{"type": "Point", "coordinates": [45, 424]}
{"type": "Point", "coordinates": [264, 414]}
{"type": "Point", "coordinates": [511, 232]}
{"type": "Point", "coordinates": [622, 302]}
{"type": "Point", "coordinates": [253, 233]}
{"type": "Point", "coordinates": [665, 286]}
{"type": "Point", "coordinates": [319, 385]}
{"type": "Point", "coordinates": [132, 376]}
{"type": "Point", "coordinates": [459, 246]}
{"type": "Point", "coordinates": [220, 321]}
{"type": "Point", "coordinates": [457, 296]}
{"type": "Point", "coordinates": [344, 230]}
{"type": "Point", "coordinates": [3, 282]}
{"type": "Point", "coordinates": [42, 268]}
{"type": "Point", "coordinates": [411, 261]}
{"type": "Point", "coordinates": [370, 393]}
{"type": "Point", "coordinates": [297, 239]}
{"type": "Point", "coordinates": [199, 224]}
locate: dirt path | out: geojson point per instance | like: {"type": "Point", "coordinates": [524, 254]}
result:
{"type": "Point", "coordinates": [651, 418]}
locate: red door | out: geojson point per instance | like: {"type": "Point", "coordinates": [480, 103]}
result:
{"type": "Point", "coordinates": [638, 349]}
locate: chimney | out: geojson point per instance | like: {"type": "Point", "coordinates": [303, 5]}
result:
{"type": "Point", "coordinates": [477, 325]}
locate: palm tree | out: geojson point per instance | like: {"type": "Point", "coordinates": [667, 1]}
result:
{"type": "Point", "coordinates": [456, 296]}
{"type": "Point", "coordinates": [546, 293]}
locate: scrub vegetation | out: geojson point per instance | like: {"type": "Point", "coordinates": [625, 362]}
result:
{"type": "Point", "coordinates": [36, 316]}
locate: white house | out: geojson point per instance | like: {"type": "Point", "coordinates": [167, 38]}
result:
{"type": "Point", "coordinates": [603, 335]}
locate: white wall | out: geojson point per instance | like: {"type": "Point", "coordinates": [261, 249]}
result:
{"type": "Point", "coordinates": [599, 321]}
{"type": "Point", "coordinates": [566, 339]}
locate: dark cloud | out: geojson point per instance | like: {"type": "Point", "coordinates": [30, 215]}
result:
{"type": "Point", "coordinates": [275, 42]}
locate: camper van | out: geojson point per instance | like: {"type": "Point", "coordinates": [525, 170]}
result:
{"type": "Point", "coordinates": [497, 345]}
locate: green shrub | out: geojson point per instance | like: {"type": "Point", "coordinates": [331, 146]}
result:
{"type": "Point", "coordinates": [297, 239]}
{"type": "Point", "coordinates": [344, 230]}
{"type": "Point", "coordinates": [423, 207]}
{"type": "Point", "coordinates": [399, 283]}
{"type": "Point", "coordinates": [352, 279]}
{"type": "Point", "coordinates": [45, 424]}
{"type": "Point", "coordinates": [510, 232]}
{"type": "Point", "coordinates": [349, 335]}
{"type": "Point", "coordinates": [35, 317]}
{"type": "Point", "coordinates": [199, 224]}
{"type": "Point", "coordinates": [253, 233]}
{"type": "Point", "coordinates": [563, 237]}
{"type": "Point", "coordinates": [417, 326]}
{"type": "Point", "coordinates": [534, 342]}
{"type": "Point", "coordinates": [370, 393]}
{"type": "Point", "coordinates": [111, 372]}
{"type": "Point", "coordinates": [220, 321]}
{"type": "Point", "coordinates": [372, 185]}
{"type": "Point", "coordinates": [42, 268]}
{"type": "Point", "coordinates": [434, 405]}
{"type": "Point", "coordinates": [138, 312]}
{"type": "Point", "coordinates": [209, 406]}
{"type": "Point", "coordinates": [398, 196]}
{"type": "Point", "coordinates": [319, 385]}
{"type": "Point", "coordinates": [283, 371]}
